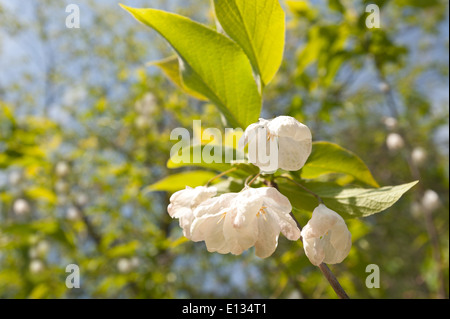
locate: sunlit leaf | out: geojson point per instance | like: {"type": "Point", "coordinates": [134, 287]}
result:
{"type": "Point", "coordinates": [258, 26]}
{"type": "Point", "coordinates": [329, 158]}
{"type": "Point", "coordinates": [212, 64]}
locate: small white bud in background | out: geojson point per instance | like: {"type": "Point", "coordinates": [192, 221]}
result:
{"type": "Point", "coordinates": [62, 169]}
{"type": "Point", "coordinates": [73, 214]}
{"type": "Point", "coordinates": [142, 122]}
{"type": "Point", "coordinates": [384, 87]}
{"type": "Point", "coordinates": [62, 187]}
{"type": "Point", "coordinates": [81, 199]}
{"type": "Point", "coordinates": [146, 105]}
{"type": "Point", "coordinates": [14, 178]}
{"type": "Point", "coordinates": [36, 266]}
{"type": "Point", "coordinates": [135, 262]}
{"type": "Point", "coordinates": [395, 142]}
{"type": "Point", "coordinates": [32, 253]}
{"type": "Point", "coordinates": [171, 277]}
{"type": "Point", "coordinates": [430, 200]}
{"type": "Point", "coordinates": [419, 156]}
{"type": "Point", "coordinates": [390, 123]}
{"type": "Point", "coordinates": [124, 265]}
{"type": "Point", "coordinates": [21, 207]}
{"type": "Point", "coordinates": [42, 248]}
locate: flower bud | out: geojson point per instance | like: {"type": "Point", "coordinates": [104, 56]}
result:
{"type": "Point", "coordinates": [124, 265]}
{"type": "Point", "coordinates": [62, 169]}
{"type": "Point", "coordinates": [81, 199]}
{"type": "Point", "coordinates": [62, 187]}
{"type": "Point", "coordinates": [36, 266]}
{"type": "Point", "coordinates": [14, 178]}
{"type": "Point", "coordinates": [390, 123]}
{"type": "Point", "coordinates": [21, 207]}
{"type": "Point", "coordinates": [430, 200]}
{"type": "Point", "coordinates": [73, 214]}
{"type": "Point", "coordinates": [394, 142]}
{"type": "Point", "coordinates": [419, 156]}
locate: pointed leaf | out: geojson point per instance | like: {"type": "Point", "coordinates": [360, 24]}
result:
{"type": "Point", "coordinates": [258, 26]}
{"type": "Point", "coordinates": [329, 158]}
{"type": "Point", "coordinates": [212, 64]}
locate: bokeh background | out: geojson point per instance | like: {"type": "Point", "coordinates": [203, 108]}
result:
{"type": "Point", "coordinates": [85, 124]}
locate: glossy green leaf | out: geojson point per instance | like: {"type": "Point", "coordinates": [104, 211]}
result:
{"type": "Point", "coordinates": [347, 201]}
{"type": "Point", "coordinates": [329, 158]}
{"type": "Point", "coordinates": [171, 68]}
{"type": "Point", "coordinates": [212, 64]}
{"type": "Point", "coordinates": [179, 181]}
{"type": "Point", "coordinates": [258, 26]}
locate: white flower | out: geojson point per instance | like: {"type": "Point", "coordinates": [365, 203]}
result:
{"type": "Point", "coordinates": [395, 142]}
{"type": "Point", "coordinates": [182, 204]}
{"type": "Point", "coordinates": [62, 169]}
{"type": "Point", "coordinates": [391, 123]}
{"type": "Point", "coordinates": [146, 105]}
{"type": "Point", "coordinates": [234, 222]}
{"type": "Point", "coordinates": [292, 139]}
{"type": "Point", "coordinates": [419, 156]}
{"type": "Point", "coordinates": [36, 266]}
{"type": "Point", "coordinates": [21, 207]}
{"type": "Point", "coordinates": [326, 238]}
{"type": "Point", "coordinates": [430, 200]}
{"type": "Point", "coordinates": [73, 213]}
{"type": "Point", "coordinates": [81, 199]}
{"type": "Point", "coordinates": [14, 178]}
{"type": "Point", "coordinates": [124, 265]}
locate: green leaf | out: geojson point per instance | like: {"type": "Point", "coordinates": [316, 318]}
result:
{"type": "Point", "coordinates": [329, 158]}
{"type": "Point", "coordinates": [258, 26]}
{"type": "Point", "coordinates": [347, 201]}
{"type": "Point", "coordinates": [171, 68]}
{"type": "Point", "coordinates": [212, 64]}
{"type": "Point", "coordinates": [179, 181]}
{"type": "Point", "coordinates": [41, 193]}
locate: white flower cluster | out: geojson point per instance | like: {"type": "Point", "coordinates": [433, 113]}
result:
{"type": "Point", "coordinates": [255, 217]}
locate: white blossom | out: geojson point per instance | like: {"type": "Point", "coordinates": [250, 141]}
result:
{"type": "Point", "coordinates": [430, 200]}
{"type": "Point", "coordinates": [14, 178]}
{"type": "Point", "coordinates": [234, 222]}
{"type": "Point", "coordinates": [182, 204]}
{"type": "Point", "coordinates": [419, 156]}
{"type": "Point", "coordinates": [36, 266]}
{"type": "Point", "coordinates": [391, 123]}
{"type": "Point", "coordinates": [326, 238]}
{"type": "Point", "coordinates": [21, 207]}
{"type": "Point", "coordinates": [73, 214]}
{"type": "Point", "coordinates": [124, 265]}
{"type": "Point", "coordinates": [287, 142]}
{"type": "Point", "coordinates": [62, 169]}
{"type": "Point", "coordinates": [81, 199]}
{"type": "Point", "coordinates": [395, 142]}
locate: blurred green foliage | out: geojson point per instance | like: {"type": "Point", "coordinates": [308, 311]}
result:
{"type": "Point", "coordinates": [87, 98]}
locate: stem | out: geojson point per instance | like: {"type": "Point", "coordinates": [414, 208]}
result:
{"type": "Point", "coordinates": [253, 179]}
{"type": "Point", "coordinates": [333, 281]}
{"type": "Point", "coordinates": [220, 175]}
